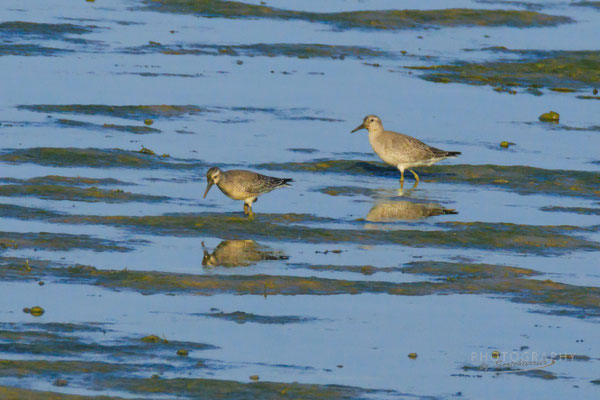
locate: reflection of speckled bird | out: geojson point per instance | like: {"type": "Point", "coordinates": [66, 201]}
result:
{"type": "Point", "coordinates": [244, 185]}
{"type": "Point", "coordinates": [239, 253]}
{"type": "Point", "coordinates": [405, 210]}
{"type": "Point", "coordinates": [399, 150]}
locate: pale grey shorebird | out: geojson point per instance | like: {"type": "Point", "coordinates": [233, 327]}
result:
{"type": "Point", "coordinates": [399, 150]}
{"type": "Point", "coordinates": [244, 185]}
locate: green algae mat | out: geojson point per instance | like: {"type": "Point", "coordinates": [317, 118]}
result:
{"type": "Point", "coordinates": [385, 19]}
{"type": "Point", "coordinates": [560, 71]}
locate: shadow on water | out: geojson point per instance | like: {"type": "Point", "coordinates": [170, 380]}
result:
{"type": "Point", "coordinates": [239, 253]}
{"type": "Point", "coordinates": [389, 211]}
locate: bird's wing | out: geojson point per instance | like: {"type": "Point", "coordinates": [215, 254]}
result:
{"type": "Point", "coordinates": [255, 183]}
{"type": "Point", "coordinates": [409, 147]}
{"type": "Point", "coordinates": [264, 183]}
{"type": "Point", "coordinates": [443, 153]}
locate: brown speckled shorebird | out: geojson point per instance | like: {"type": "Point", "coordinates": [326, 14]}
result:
{"type": "Point", "coordinates": [244, 185]}
{"type": "Point", "coordinates": [401, 151]}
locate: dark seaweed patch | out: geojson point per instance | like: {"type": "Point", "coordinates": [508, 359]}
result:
{"type": "Point", "coordinates": [382, 19]}
{"type": "Point", "coordinates": [303, 150]}
{"type": "Point", "coordinates": [75, 193]}
{"type": "Point", "coordinates": [594, 4]}
{"type": "Point", "coordinates": [68, 180]}
{"type": "Point", "coordinates": [531, 239]}
{"type": "Point", "coordinates": [41, 30]}
{"type": "Point", "coordinates": [571, 70]}
{"type": "Point", "coordinates": [144, 112]}
{"type": "Point", "coordinates": [297, 50]}
{"type": "Point", "coordinates": [139, 130]}
{"type": "Point", "coordinates": [522, 179]}
{"type": "Point", "coordinates": [137, 112]}
{"type": "Point", "coordinates": [107, 158]}
{"type": "Point", "coordinates": [525, 4]}
{"type": "Point", "coordinates": [242, 317]}
{"type": "Point", "coordinates": [57, 241]}
{"type": "Point", "coordinates": [481, 235]}
{"type": "Point", "coordinates": [448, 278]}
{"type": "Point", "coordinates": [359, 269]}
{"type": "Point", "coordinates": [162, 74]}
{"type": "Point", "coordinates": [129, 362]}
{"type": "Point", "coordinates": [593, 128]}
{"type": "Point", "coordinates": [8, 49]}
{"type": "Point", "coordinates": [576, 210]}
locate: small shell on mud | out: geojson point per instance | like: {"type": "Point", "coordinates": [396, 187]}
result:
{"type": "Point", "coordinates": [506, 144]}
{"type": "Point", "coordinates": [550, 116]}
{"type": "Point", "coordinates": [254, 377]}
{"type": "Point", "coordinates": [182, 352]}
{"type": "Point", "coordinates": [148, 121]}
{"type": "Point", "coordinates": [412, 356]}
{"type": "Point", "coordinates": [495, 354]}
{"type": "Point", "coordinates": [152, 339]}
{"type": "Point", "coordinates": [36, 311]}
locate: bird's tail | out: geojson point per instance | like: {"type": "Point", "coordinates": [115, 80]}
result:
{"type": "Point", "coordinates": [447, 211]}
{"type": "Point", "coordinates": [286, 182]}
{"type": "Point", "coordinates": [453, 153]}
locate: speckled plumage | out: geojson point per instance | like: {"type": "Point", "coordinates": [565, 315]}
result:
{"type": "Point", "coordinates": [400, 150]}
{"type": "Point", "coordinates": [244, 185]}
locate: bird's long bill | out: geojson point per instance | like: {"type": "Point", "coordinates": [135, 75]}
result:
{"type": "Point", "coordinates": [207, 189]}
{"type": "Point", "coordinates": [358, 128]}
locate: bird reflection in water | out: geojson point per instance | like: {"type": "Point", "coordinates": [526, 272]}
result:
{"type": "Point", "coordinates": [239, 253]}
{"type": "Point", "coordinates": [390, 211]}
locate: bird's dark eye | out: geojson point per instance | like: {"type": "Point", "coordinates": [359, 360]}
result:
{"type": "Point", "coordinates": [372, 120]}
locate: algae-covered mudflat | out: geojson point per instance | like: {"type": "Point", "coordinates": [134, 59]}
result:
{"type": "Point", "coordinates": [120, 281]}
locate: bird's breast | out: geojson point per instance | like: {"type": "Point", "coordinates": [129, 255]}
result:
{"type": "Point", "coordinates": [383, 149]}
{"type": "Point", "coordinates": [232, 191]}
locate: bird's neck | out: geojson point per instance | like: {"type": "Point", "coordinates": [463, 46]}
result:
{"type": "Point", "coordinates": [375, 131]}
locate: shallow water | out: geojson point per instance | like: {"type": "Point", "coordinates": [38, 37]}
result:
{"type": "Point", "coordinates": [337, 279]}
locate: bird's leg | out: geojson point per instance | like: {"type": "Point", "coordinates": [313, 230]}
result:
{"type": "Point", "coordinates": [401, 177]}
{"type": "Point", "coordinates": [415, 174]}
{"type": "Point", "coordinates": [250, 213]}
{"type": "Point", "coordinates": [246, 209]}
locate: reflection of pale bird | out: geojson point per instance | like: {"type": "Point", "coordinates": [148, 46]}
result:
{"type": "Point", "coordinates": [239, 253]}
{"type": "Point", "coordinates": [405, 210]}
{"type": "Point", "coordinates": [243, 185]}
{"type": "Point", "coordinates": [399, 150]}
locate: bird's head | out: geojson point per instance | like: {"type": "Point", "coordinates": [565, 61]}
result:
{"type": "Point", "coordinates": [370, 123]}
{"type": "Point", "coordinates": [213, 176]}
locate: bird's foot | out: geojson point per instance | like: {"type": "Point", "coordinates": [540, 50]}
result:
{"type": "Point", "coordinates": [415, 175]}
